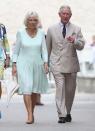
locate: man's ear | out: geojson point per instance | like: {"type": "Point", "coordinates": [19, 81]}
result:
{"type": "Point", "coordinates": [70, 15]}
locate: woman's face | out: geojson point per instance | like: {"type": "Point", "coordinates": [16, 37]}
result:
{"type": "Point", "coordinates": [32, 22]}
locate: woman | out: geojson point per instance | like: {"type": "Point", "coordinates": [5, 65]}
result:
{"type": "Point", "coordinates": [4, 54]}
{"type": "Point", "coordinates": [30, 63]}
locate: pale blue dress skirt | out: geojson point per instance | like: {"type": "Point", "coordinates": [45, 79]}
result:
{"type": "Point", "coordinates": [30, 55]}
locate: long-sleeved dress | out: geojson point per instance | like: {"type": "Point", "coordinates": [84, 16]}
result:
{"type": "Point", "coordinates": [4, 49]}
{"type": "Point", "coordinates": [30, 55]}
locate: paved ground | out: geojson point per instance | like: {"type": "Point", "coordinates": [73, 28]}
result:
{"type": "Point", "coordinates": [83, 113]}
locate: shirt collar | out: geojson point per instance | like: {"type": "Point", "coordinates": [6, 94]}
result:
{"type": "Point", "coordinates": [61, 24]}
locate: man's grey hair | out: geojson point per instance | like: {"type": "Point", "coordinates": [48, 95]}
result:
{"type": "Point", "coordinates": [65, 7]}
{"type": "Point", "coordinates": [30, 14]}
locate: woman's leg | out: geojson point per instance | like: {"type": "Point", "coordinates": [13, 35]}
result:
{"type": "Point", "coordinates": [38, 98]}
{"type": "Point", "coordinates": [33, 99]}
{"type": "Point", "coordinates": [28, 104]}
{"type": "Point", "coordinates": [38, 102]}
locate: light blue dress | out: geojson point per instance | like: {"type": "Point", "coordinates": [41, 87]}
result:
{"type": "Point", "coordinates": [30, 55]}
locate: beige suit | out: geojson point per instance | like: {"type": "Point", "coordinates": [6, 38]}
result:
{"type": "Point", "coordinates": [64, 63]}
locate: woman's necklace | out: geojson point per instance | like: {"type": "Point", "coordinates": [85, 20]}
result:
{"type": "Point", "coordinates": [32, 33]}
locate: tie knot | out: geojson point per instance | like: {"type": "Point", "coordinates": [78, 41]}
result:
{"type": "Point", "coordinates": [64, 26]}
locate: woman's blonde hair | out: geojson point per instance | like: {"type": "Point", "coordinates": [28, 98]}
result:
{"type": "Point", "coordinates": [30, 14]}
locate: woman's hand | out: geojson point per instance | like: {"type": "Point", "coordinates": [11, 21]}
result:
{"type": "Point", "coordinates": [7, 62]}
{"type": "Point", "coordinates": [14, 69]}
{"type": "Point", "coordinates": [46, 67]}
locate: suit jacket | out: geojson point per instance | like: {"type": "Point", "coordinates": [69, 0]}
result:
{"type": "Point", "coordinates": [62, 54]}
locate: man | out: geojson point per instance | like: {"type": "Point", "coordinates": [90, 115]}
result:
{"type": "Point", "coordinates": [4, 54]}
{"type": "Point", "coordinates": [63, 39]}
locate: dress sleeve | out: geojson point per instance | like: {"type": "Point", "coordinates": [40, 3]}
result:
{"type": "Point", "coordinates": [44, 50]}
{"type": "Point", "coordinates": [49, 42]}
{"type": "Point", "coordinates": [16, 47]}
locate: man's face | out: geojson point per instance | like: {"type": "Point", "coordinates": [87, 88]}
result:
{"type": "Point", "coordinates": [65, 15]}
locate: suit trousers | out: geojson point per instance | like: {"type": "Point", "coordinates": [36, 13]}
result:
{"type": "Point", "coordinates": [65, 91]}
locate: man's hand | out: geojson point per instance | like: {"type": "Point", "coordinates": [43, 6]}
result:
{"type": "Point", "coordinates": [71, 39]}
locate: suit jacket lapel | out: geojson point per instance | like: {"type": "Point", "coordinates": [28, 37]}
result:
{"type": "Point", "coordinates": [59, 33]}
